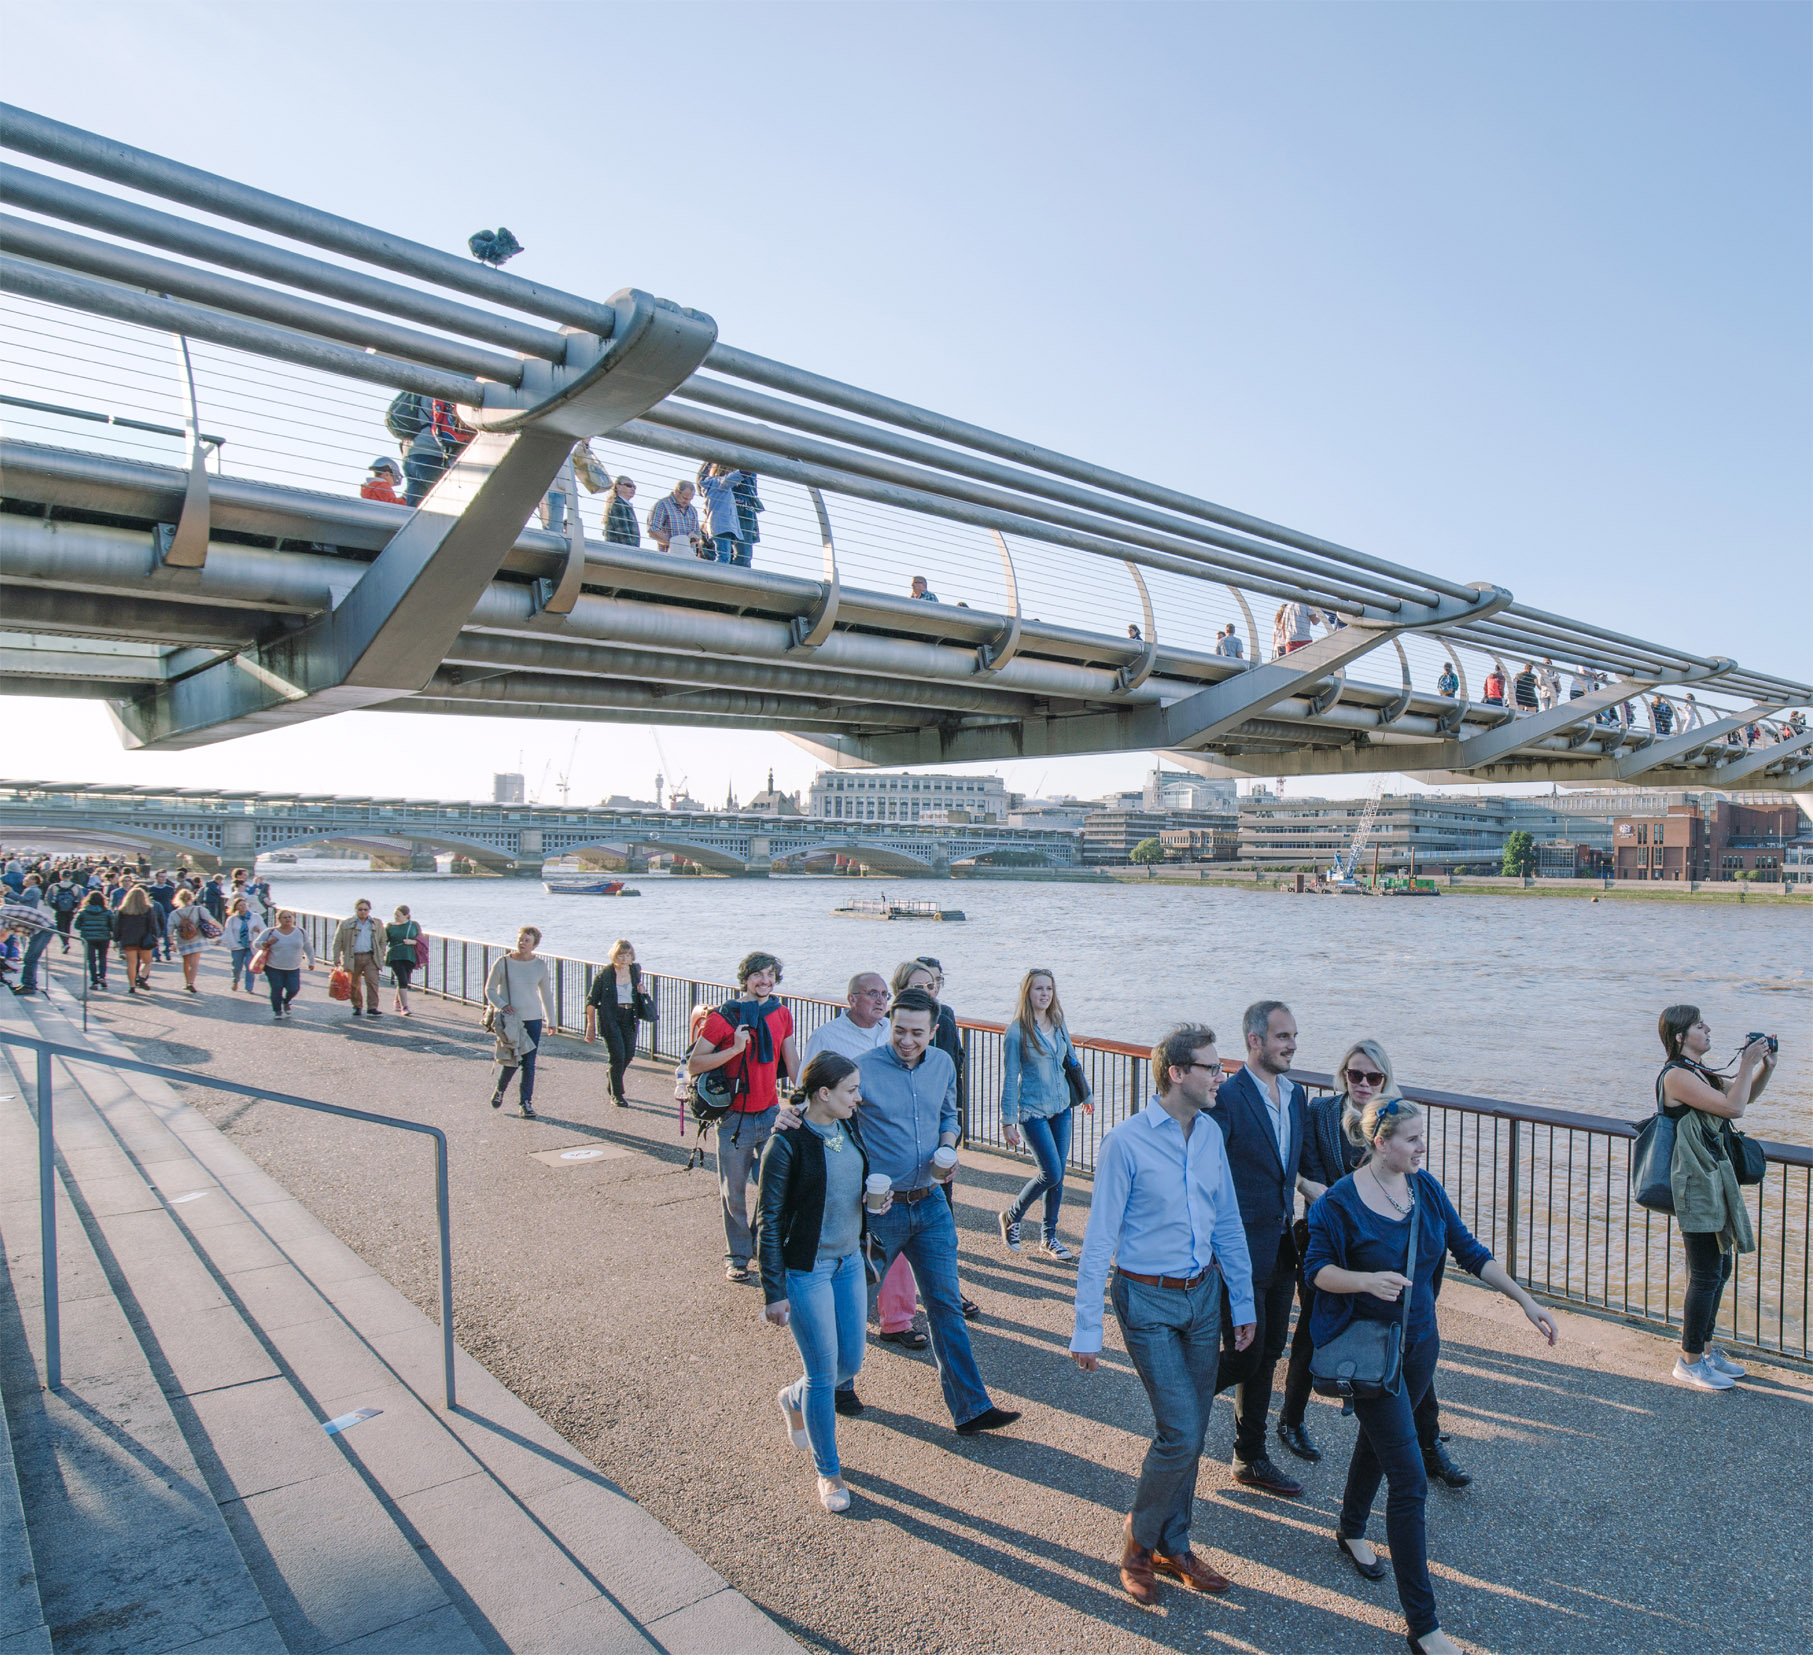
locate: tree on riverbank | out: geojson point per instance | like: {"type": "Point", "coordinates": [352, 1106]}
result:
{"type": "Point", "coordinates": [1520, 855]}
{"type": "Point", "coordinates": [1146, 853]}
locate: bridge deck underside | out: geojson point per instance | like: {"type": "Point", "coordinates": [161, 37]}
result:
{"type": "Point", "coordinates": [90, 611]}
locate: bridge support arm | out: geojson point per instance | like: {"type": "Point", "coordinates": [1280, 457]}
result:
{"type": "Point", "coordinates": [1520, 732]}
{"type": "Point", "coordinates": [392, 629]}
{"type": "Point", "coordinates": [1758, 758]}
{"type": "Point", "coordinates": [1680, 746]}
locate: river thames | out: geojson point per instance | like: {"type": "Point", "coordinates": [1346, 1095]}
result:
{"type": "Point", "coordinates": [1542, 1000]}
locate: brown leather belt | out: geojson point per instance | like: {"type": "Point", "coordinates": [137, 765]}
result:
{"type": "Point", "coordinates": [1181, 1282]}
{"type": "Point", "coordinates": [910, 1196]}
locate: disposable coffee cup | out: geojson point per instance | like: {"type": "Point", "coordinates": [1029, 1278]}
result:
{"type": "Point", "coordinates": [944, 1157]}
{"type": "Point", "coordinates": [876, 1189]}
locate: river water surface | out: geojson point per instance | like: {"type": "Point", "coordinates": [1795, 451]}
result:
{"type": "Point", "coordinates": [1543, 1000]}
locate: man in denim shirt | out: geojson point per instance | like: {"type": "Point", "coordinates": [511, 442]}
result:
{"type": "Point", "coordinates": [909, 1113]}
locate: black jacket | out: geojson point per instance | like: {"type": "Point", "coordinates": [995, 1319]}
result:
{"type": "Point", "coordinates": [603, 993]}
{"type": "Point", "coordinates": [948, 1038]}
{"type": "Point", "coordinates": [790, 1205]}
{"type": "Point", "coordinates": [1327, 1155]}
{"type": "Point", "coordinates": [1265, 1185]}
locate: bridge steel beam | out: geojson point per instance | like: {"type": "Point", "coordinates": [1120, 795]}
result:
{"type": "Point", "coordinates": [1670, 749]}
{"type": "Point", "coordinates": [1758, 758]}
{"type": "Point", "coordinates": [104, 615]}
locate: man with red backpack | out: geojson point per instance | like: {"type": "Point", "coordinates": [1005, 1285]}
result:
{"type": "Point", "coordinates": [751, 1038]}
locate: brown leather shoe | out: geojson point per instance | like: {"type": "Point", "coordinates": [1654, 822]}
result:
{"type": "Point", "coordinates": [1136, 1571]}
{"type": "Point", "coordinates": [1190, 1570]}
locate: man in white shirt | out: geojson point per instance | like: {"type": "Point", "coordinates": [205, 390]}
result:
{"type": "Point", "coordinates": [862, 1027]}
{"type": "Point", "coordinates": [1165, 1213]}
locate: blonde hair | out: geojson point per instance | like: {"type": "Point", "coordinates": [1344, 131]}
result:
{"type": "Point", "coordinates": [1023, 1012]}
{"type": "Point", "coordinates": [621, 945]}
{"type": "Point", "coordinates": [529, 931]}
{"type": "Point", "coordinates": [1374, 1052]}
{"type": "Point", "coordinates": [1388, 1116]}
{"type": "Point", "coordinates": [903, 974]}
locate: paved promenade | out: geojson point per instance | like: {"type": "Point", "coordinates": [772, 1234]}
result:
{"type": "Point", "coordinates": [1613, 1510]}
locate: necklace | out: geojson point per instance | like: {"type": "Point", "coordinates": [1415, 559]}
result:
{"type": "Point", "coordinates": [833, 1143]}
{"type": "Point", "coordinates": [1378, 1184]}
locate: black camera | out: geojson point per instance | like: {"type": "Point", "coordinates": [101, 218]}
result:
{"type": "Point", "coordinates": [1768, 1040]}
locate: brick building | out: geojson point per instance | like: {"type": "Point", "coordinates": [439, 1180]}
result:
{"type": "Point", "coordinates": [1718, 840]}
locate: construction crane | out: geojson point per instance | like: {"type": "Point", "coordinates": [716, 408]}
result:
{"type": "Point", "coordinates": [566, 776]}
{"type": "Point", "coordinates": [1341, 873]}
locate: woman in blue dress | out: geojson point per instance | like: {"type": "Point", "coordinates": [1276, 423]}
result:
{"type": "Point", "coordinates": [1359, 1264]}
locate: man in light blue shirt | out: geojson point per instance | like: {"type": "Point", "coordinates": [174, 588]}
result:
{"type": "Point", "coordinates": [1164, 1211]}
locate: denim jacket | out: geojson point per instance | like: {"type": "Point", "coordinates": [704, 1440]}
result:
{"type": "Point", "coordinates": [1032, 1082]}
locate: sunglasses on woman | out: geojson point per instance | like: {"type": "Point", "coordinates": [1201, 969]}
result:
{"type": "Point", "coordinates": [1365, 1077]}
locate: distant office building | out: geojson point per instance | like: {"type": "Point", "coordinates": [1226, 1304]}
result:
{"type": "Point", "coordinates": [903, 796]}
{"type": "Point", "coordinates": [1426, 830]}
{"type": "Point", "coordinates": [1062, 815]}
{"type": "Point", "coordinates": [1569, 859]}
{"type": "Point", "coordinates": [507, 790]}
{"type": "Point", "coordinates": [1110, 835]}
{"type": "Point", "coordinates": [1179, 790]}
{"type": "Point", "coordinates": [1716, 841]}
{"type": "Point", "coordinates": [1218, 843]}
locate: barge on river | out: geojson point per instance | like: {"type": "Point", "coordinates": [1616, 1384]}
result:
{"type": "Point", "coordinates": [882, 907]}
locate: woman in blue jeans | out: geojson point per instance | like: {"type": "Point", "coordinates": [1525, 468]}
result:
{"type": "Point", "coordinates": [812, 1224]}
{"type": "Point", "coordinates": [1035, 1104]}
{"type": "Point", "coordinates": [1359, 1263]}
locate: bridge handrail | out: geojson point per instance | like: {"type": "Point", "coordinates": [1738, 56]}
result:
{"type": "Point", "coordinates": [48, 1049]}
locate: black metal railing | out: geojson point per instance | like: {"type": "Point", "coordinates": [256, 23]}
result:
{"type": "Point", "coordinates": [1547, 1190]}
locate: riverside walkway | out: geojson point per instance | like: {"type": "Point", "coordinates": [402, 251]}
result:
{"type": "Point", "coordinates": [1612, 1511]}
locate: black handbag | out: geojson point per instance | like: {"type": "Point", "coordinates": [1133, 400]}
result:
{"type": "Point", "coordinates": [1366, 1358]}
{"type": "Point", "coordinates": [1651, 1157]}
{"type": "Point", "coordinates": [1075, 1080]}
{"type": "Point", "coordinates": [1748, 1161]}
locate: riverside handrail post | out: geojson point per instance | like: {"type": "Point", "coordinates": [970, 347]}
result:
{"type": "Point", "coordinates": [47, 1229]}
{"type": "Point", "coordinates": [1512, 1190]}
{"type": "Point", "coordinates": [443, 1213]}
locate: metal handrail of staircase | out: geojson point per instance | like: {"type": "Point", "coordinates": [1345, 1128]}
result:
{"type": "Point", "coordinates": [47, 1211]}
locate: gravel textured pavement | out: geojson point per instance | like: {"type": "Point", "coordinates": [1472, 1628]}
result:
{"type": "Point", "coordinates": [1613, 1510]}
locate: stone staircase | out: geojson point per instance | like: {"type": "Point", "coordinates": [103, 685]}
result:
{"type": "Point", "coordinates": [180, 1493]}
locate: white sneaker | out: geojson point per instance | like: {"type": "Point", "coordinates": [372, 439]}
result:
{"type": "Point", "coordinates": [831, 1497]}
{"type": "Point", "coordinates": [1719, 1362]}
{"type": "Point", "coordinates": [1702, 1375]}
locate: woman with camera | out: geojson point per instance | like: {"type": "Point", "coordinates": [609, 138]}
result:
{"type": "Point", "coordinates": [1709, 1208]}
{"type": "Point", "coordinates": [812, 1223]}
{"type": "Point", "coordinates": [1359, 1262]}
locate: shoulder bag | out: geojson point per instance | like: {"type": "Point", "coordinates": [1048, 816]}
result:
{"type": "Point", "coordinates": [1748, 1161]}
{"type": "Point", "coordinates": [1366, 1358]}
{"type": "Point", "coordinates": [1074, 1079]}
{"type": "Point", "coordinates": [1651, 1157]}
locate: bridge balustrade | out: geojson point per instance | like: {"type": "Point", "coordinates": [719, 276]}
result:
{"type": "Point", "coordinates": [1547, 1190]}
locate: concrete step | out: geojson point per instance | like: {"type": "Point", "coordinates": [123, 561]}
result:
{"type": "Point", "coordinates": [130, 1548]}
{"type": "Point", "coordinates": [272, 1326]}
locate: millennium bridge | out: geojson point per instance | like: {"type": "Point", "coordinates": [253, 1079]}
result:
{"type": "Point", "coordinates": [208, 828]}
{"type": "Point", "coordinates": [183, 537]}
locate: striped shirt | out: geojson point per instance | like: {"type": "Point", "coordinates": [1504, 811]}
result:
{"type": "Point", "coordinates": [672, 521]}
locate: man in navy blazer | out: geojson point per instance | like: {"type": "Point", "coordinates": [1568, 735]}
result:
{"type": "Point", "coordinates": [1262, 1119]}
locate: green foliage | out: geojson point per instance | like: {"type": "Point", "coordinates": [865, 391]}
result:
{"type": "Point", "coordinates": [1147, 852]}
{"type": "Point", "coordinates": [1520, 855]}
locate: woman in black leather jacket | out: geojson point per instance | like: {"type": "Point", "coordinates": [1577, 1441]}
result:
{"type": "Point", "coordinates": [1363, 1074]}
{"type": "Point", "coordinates": [812, 1224]}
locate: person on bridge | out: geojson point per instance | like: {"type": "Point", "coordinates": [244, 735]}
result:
{"type": "Point", "coordinates": [674, 517]}
{"type": "Point", "coordinates": [1709, 1207]}
{"type": "Point", "coordinates": [163, 897]}
{"type": "Point", "coordinates": [1037, 1063]}
{"type": "Point", "coordinates": [242, 938]}
{"type": "Point", "coordinates": [1261, 1114]}
{"type": "Point", "coordinates": [813, 1225]}
{"type": "Point", "coordinates": [1662, 715]}
{"type": "Point", "coordinates": [1527, 691]}
{"type": "Point", "coordinates": [399, 954]}
{"type": "Point", "coordinates": [1449, 682]}
{"type": "Point", "coordinates": [1165, 1216]}
{"type": "Point", "coordinates": [1360, 1265]}
{"type": "Point", "coordinates": [620, 526]}
{"type": "Point", "coordinates": [64, 898]}
{"type": "Point", "coordinates": [518, 981]}
{"type": "Point", "coordinates": [753, 1036]}
{"type": "Point", "coordinates": [1492, 692]}
{"type": "Point", "coordinates": [922, 592]}
{"type": "Point", "coordinates": [381, 479]}
{"type": "Point", "coordinates": [614, 1004]}
{"type": "Point", "coordinates": [723, 525]}
{"type": "Point", "coordinates": [357, 948]}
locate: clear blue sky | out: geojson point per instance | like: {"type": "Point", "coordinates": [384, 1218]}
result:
{"type": "Point", "coordinates": [1516, 292]}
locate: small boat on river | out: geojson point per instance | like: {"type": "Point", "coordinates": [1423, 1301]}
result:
{"type": "Point", "coordinates": [882, 907]}
{"type": "Point", "coordinates": [580, 886]}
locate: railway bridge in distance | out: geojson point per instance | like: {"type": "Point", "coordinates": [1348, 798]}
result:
{"type": "Point", "coordinates": [181, 535]}
{"type": "Point", "coordinates": [210, 829]}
